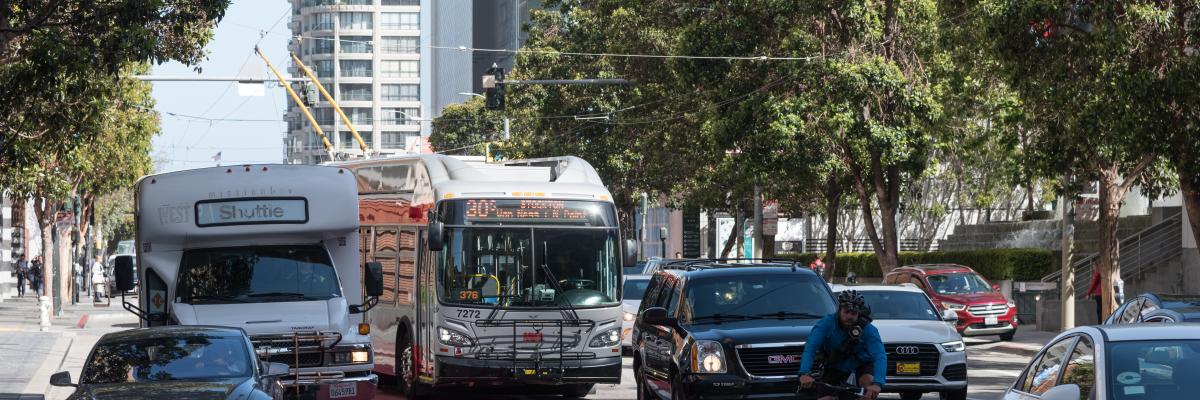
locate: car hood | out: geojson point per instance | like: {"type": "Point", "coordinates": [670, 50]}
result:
{"type": "Point", "coordinates": [915, 331]}
{"type": "Point", "coordinates": [975, 298]}
{"type": "Point", "coordinates": [176, 390]}
{"type": "Point", "coordinates": [755, 331]}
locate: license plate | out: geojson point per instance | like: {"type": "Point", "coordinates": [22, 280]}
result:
{"type": "Point", "coordinates": [903, 368]}
{"type": "Point", "coordinates": [340, 390]}
{"type": "Point", "coordinates": [991, 321]}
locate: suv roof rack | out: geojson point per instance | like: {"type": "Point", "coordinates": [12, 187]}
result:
{"type": "Point", "coordinates": [712, 263]}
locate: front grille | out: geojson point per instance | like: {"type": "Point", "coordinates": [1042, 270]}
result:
{"type": "Point", "coordinates": [955, 372]}
{"type": "Point", "coordinates": [980, 325]}
{"type": "Point", "coordinates": [306, 359]}
{"type": "Point", "coordinates": [985, 310]}
{"type": "Point", "coordinates": [926, 354]}
{"type": "Point", "coordinates": [771, 361]}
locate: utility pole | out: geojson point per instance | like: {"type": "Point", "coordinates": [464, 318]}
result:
{"type": "Point", "coordinates": [1067, 205]}
{"type": "Point", "coordinates": [758, 222]}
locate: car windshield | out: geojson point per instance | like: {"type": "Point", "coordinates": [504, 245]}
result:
{"type": "Point", "coordinates": [1153, 370]}
{"type": "Point", "coordinates": [257, 274]}
{"type": "Point", "coordinates": [894, 304]}
{"type": "Point", "coordinates": [751, 296]}
{"type": "Point", "coordinates": [124, 247]}
{"type": "Point", "coordinates": [168, 359]}
{"type": "Point", "coordinates": [634, 289]}
{"type": "Point", "coordinates": [958, 283]}
{"type": "Point", "coordinates": [530, 267]}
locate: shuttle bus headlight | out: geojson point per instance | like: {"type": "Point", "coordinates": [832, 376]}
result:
{"type": "Point", "coordinates": [358, 356]}
{"type": "Point", "coordinates": [455, 338]}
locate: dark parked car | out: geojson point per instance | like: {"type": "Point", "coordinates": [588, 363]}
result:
{"type": "Point", "coordinates": [1151, 307]}
{"type": "Point", "coordinates": [174, 362]}
{"type": "Point", "coordinates": [706, 329]}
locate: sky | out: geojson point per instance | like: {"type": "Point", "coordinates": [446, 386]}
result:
{"type": "Point", "coordinates": [190, 142]}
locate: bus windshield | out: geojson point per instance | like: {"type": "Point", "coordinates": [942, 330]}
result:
{"type": "Point", "coordinates": [530, 267]}
{"type": "Point", "coordinates": [257, 274]}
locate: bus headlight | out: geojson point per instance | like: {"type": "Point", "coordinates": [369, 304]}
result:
{"type": "Point", "coordinates": [352, 357]}
{"type": "Point", "coordinates": [455, 338]}
{"type": "Point", "coordinates": [708, 357]}
{"type": "Point", "coordinates": [609, 338]}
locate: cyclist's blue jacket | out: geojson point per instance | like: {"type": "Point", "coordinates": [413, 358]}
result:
{"type": "Point", "coordinates": [827, 337]}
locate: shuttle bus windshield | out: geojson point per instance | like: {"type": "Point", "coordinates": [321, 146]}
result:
{"type": "Point", "coordinates": [257, 274]}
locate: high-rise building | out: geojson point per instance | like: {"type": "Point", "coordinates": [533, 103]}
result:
{"type": "Point", "coordinates": [392, 66]}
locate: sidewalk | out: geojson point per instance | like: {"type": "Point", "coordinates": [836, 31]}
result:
{"type": "Point", "coordinates": [32, 356]}
{"type": "Point", "coordinates": [1025, 343]}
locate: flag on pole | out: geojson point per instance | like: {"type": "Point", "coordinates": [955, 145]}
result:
{"type": "Point", "coordinates": [217, 157]}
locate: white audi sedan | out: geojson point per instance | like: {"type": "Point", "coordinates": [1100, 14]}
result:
{"type": "Point", "coordinates": [924, 351]}
{"type": "Point", "coordinates": [1115, 362]}
{"type": "Point", "coordinates": [631, 300]}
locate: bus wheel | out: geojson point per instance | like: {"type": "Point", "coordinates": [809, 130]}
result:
{"type": "Point", "coordinates": [577, 391]}
{"type": "Point", "coordinates": [408, 376]}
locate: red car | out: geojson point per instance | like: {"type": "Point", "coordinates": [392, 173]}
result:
{"type": "Point", "coordinates": [982, 309]}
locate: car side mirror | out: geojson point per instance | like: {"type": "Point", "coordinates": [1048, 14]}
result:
{"type": "Point", "coordinates": [61, 379]}
{"type": "Point", "coordinates": [629, 252]}
{"type": "Point", "coordinates": [1062, 392]}
{"type": "Point", "coordinates": [275, 370]}
{"type": "Point", "coordinates": [123, 268]}
{"type": "Point", "coordinates": [949, 316]}
{"type": "Point", "coordinates": [437, 233]}
{"type": "Point", "coordinates": [657, 316]}
{"type": "Point", "coordinates": [995, 288]}
{"type": "Point", "coordinates": [373, 279]}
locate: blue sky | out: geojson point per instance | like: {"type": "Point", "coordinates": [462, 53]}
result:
{"type": "Point", "coordinates": [191, 142]}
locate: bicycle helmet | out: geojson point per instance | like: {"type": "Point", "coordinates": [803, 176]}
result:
{"type": "Point", "coordinates": [851, 300]}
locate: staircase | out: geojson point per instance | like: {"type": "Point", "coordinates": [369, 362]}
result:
{"type": "Point", "coordinates": [1148, 248]}
{"type": "Point", "coordinates": [1045, 234]}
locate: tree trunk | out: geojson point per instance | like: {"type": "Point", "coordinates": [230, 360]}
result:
{"type": "Point", "coordinates": [833, 203]}
{"type": "Point", "coordinates": [1110, 251]}
{"type": "Point", "coordinates": [712, 234]}
{"type": "Point", "coordinates": [1189, 184]}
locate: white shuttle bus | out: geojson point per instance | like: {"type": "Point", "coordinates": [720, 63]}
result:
{"type": "Point", "coordinates": [271, 249]}
{"type": "Point", "coordinates": [494, 274]}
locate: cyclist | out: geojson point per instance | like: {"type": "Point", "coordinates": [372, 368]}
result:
{"type": "Point", "coordinates": [849, 344]}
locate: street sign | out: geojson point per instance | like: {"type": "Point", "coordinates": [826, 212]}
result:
{"type": "Point", "coordinates": [691, 233]}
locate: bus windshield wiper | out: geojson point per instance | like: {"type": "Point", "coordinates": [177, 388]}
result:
{"type": "Point", "coordinates": [791, 314]}
{"type": "Point", "coordinates": [209, 298]}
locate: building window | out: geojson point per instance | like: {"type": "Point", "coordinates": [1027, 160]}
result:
{"type": "Point", "coordinates": [356, 20]}
{"type": "Point", "coordinates": [324, 116]}
{"type": "Point", "coordinates": [358, 2]}
{"type": "Point", "coordinates": [310, 3]}
{"type": "Point", "coordinates": [355, 44]}
{"type": "Point", "coordinates": [400, 116]}
{"type": "Point", "coordinates": [405, 92]}
{"type": "Point", "coordinates": [321, 45]}
{"type": "Point", "coordinates": [394, 140]}
{"type": "Point", "coordinates": [355, 92]}
{"type": "Point", "coordinates": [322, 22]}
{"type": "Point", "coordinates": [400, 21]}
{"type": "Point", "coordinates": [400, 45]}
{"type": "Point", "coordinates": [354, 68]}
{"type": "Point", "coordinates": [324, 68]}
{"type": "Point", "coordinates": [401, 2]}
{"type": "Point", "coordinates": [348, 141]}
{"type": "Point", "coordinates": [400, 69]}
{"type": "Point", "coordinates": [358, 115]}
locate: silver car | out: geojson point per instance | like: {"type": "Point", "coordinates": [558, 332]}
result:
{"type": "Point", "coordinates": [924, 351]}
{"type": "Point", "coordinates": [631, 299]}
{"type": "Point", "coordinates": [1115, 362]}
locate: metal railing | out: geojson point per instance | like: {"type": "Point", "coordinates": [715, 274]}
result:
{"type": "Point", "coordinates": [1158, 243]}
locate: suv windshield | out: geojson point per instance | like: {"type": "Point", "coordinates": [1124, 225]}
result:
{"type": "Point", "coordinates": [257, 274]}
{"type": "Point", "coordinates": [892, 304]}
{"type": "Point", "coordinates": [755, 296]}
{"type": "Point", "coordinates": [168, 359]}
{"type": "Point", "coordinates": [530, 267]}
{"type": "Point", "coordinates": [958, 283]}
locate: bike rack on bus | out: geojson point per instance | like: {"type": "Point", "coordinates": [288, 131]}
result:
{"type": "Point", "coordinates": [542, 368]}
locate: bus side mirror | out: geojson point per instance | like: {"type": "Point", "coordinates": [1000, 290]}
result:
{"type": "Point", "coordinates": [437, 238]}
{"type": "Point", "coordinates": [373, 279]}
{"type": "Point", "coordinates": [629, 252]}
{"type": "Point", "coordinates": [123, 268]}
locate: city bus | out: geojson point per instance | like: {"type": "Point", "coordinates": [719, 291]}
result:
{"type": "Point", "coordinates": [271, 249]}
{"type": "Point", "coordinates": [494, 274]}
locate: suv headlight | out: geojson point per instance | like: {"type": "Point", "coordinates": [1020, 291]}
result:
{"type": "Point", "coordinates": [953, 306]}
{"type": "Point", "coordinates": [609, 338]}
{"type": "Point", "coordinates": [455, 338]}
{"type": "Point", "coordinates": [954, 347]}
{"type": "Point", "coordinates": [708, 357]}
{"type": "Point", "coordinates": [352, 357]}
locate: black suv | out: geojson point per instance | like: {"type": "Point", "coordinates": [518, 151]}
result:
{"type": "Point", "coordinates": [711, 329]}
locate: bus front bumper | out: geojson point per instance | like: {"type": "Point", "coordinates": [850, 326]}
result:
{"type": "Point", "coordinates": [456, 370]}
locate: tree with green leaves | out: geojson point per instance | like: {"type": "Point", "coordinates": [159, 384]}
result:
{"type": "Point", "coordinates": [466, 128]}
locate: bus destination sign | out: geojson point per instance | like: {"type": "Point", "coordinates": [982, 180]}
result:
{"type": "Point", "coordinates": [527, 209]}
{"type": "Point", "coordinates": [251, 211]}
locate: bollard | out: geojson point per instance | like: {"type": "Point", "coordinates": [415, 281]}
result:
{"type": "Point", "coordinates": [44, 312]}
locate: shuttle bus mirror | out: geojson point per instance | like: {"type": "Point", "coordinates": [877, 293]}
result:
{"type": "Point", "coordinates": [373, 279]}
{"type": "Point", "coordinates": [123, 269]}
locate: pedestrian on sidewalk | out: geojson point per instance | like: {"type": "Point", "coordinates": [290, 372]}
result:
{"type": "Point", "coordinates": [22, 275]}
{"type": "Point", "coordinates": [818, 266]}
{"type": "Point", "coordinates": [35, 276]}
{"type": "Point", "coordinates": [98, 279]}
{"type": "Point", "coordinates": [1094, 293]}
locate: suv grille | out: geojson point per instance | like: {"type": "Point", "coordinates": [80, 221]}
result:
{"type": "Point", "coordinates": [956, 372]}
{"type": "Point", "coordinates": [771, 361]}
{"type": "Point", "coordinates": [984, 310]}
{"type": "Point", "coordinates": [926, 354]}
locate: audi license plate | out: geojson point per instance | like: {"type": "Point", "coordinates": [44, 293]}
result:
{"type": "Point", "coordinates": [991, 321]}
{"type": "Point", "coordinates": [908, 368]}
{"type": "Point", "coordinates": [340, 390]}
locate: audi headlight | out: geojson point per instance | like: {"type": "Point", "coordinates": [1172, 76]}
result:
{"type": "Point", "coordinates": [954, 306]}
{"type": "Point", "coordinates": [629, 316]}
{"type": "Point", "coordinates": [454, 338]}
{"type": "Point", "coordinates": [352, 357]}
{"type": "Point", "coordinates": [609, 338]}
{"type": "Point", "coordinates": [708, 357]}
{"type": "Point", "coordinates": [954, 347]}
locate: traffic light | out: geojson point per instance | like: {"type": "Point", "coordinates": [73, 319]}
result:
{"type": "Point", "coordinates": [493, 85]}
